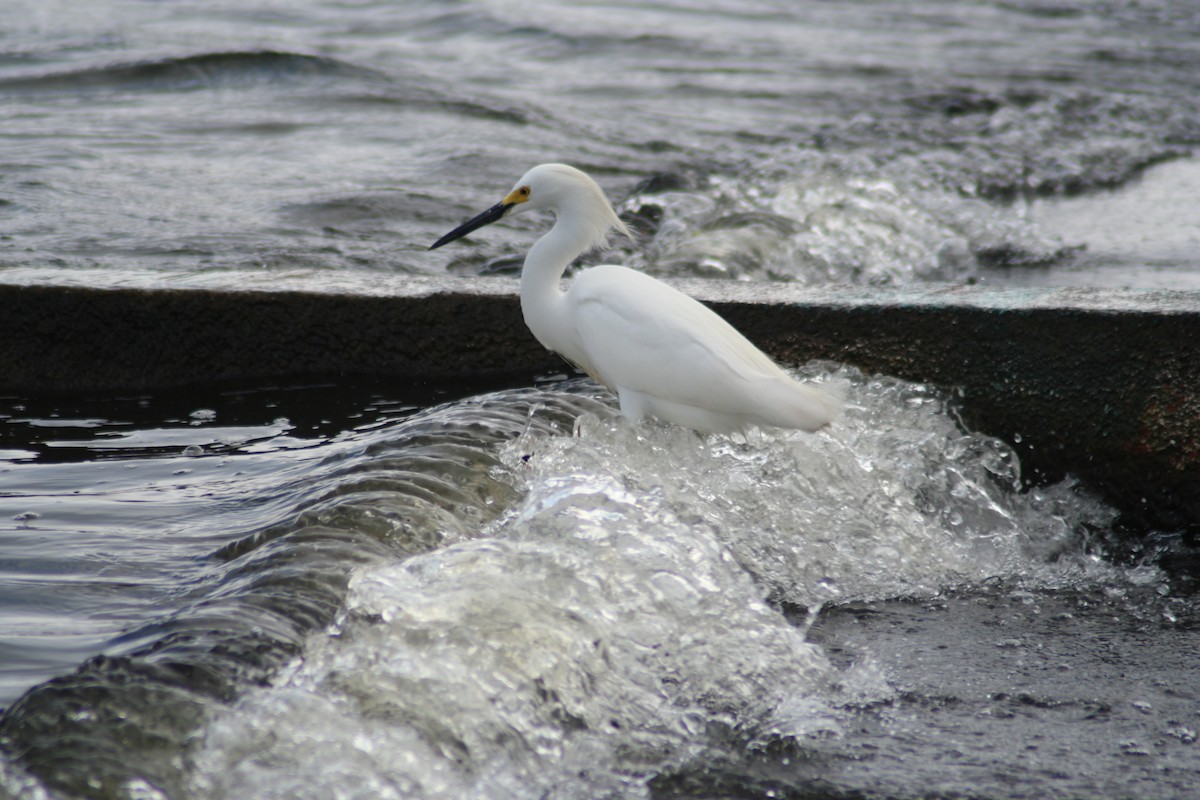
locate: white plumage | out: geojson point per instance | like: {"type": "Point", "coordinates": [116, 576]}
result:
{"type": "Point", "coordinates": [664, 354]}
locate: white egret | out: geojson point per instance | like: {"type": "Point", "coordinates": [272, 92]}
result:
{"type": "Point", "coordinates": [663, 353]}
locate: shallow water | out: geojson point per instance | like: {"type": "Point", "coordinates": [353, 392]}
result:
{"type": "Point", "coordinates": [520, 594]}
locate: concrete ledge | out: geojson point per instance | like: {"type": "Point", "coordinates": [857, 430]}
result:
{"type": "Point", "coordinates": [1099, 383]}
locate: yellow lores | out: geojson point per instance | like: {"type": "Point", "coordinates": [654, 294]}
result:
{"type": "Point", "coordinates": [517, 195]}
{"type": "Point", "coordinates": [664, 354]}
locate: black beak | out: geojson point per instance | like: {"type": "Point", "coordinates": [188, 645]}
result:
{"type": "Point", "coordinates": [486, 218]}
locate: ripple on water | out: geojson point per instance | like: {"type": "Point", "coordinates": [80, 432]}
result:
{"type": "Point", "coordinates": [248, 608]}
{"type": "Point", "coordinates": [614, 619]}
{"type": "Point", "coordinates": [593, 634]}
{"type": "Point", "coordinates": [522, 593]}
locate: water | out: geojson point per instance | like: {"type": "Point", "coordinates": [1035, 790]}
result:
{"type": "Point", "coordinates": [865, 142]}
{"type": "Point", "coordinates": [519, 594]}
{"type": "Point", "coordinates": [318, 590]}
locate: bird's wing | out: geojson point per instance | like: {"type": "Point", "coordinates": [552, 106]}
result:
{"type": "Point", "coordinates": [640, 334]}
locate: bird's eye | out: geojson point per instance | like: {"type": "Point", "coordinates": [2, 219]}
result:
{"type": "Point", "coordinates": [523, 191]}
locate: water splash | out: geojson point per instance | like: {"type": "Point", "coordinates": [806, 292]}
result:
{"type": "Point", "coordinates": [623, 617]}
{"type": "Point", "coordinates": [596, 645]}
{"type": "Point", "coordinates": [836, 220]}
{"type": "Point", "coordinates": [893, 499]}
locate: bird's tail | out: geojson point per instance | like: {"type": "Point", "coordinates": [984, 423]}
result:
{"type": "Point", "coordinates": [791, 404]}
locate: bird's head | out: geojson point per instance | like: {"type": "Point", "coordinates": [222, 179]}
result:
{"type": "Point", "coordinates": [563, 190]}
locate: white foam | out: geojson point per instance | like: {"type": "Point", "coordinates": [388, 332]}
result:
{"type": "Point", "coordinates": [614, 622]}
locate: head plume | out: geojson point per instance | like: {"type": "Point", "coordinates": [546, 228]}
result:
{"type": "Point", "coordinates": [564, 190]}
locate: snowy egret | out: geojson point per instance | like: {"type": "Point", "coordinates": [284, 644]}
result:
{"type": "Point", "coordinates": [663, 353]}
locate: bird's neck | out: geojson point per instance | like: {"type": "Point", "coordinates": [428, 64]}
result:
{"type": "Point", "coordinates": [542, 301]}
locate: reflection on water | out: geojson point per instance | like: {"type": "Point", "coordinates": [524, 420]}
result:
{"type": "Point", "coordinates": [107, 504]}
{"type": "Point", "coordinates": [520, 594]}
{"type": "Point", "coordinates": [1148, 225]}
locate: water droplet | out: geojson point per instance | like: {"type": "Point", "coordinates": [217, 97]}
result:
{"type": "Point", "coordinates": [193, 450]}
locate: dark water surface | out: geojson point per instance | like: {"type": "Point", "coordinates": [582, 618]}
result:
{"type": "Point", "coordinates": [335, 589]}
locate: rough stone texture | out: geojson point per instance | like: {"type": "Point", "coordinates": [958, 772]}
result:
{"type": "Point", "coordinates": [1099, 383]}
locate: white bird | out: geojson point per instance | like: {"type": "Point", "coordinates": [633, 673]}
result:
{"type": "Point", "coordinates": [663, 353]}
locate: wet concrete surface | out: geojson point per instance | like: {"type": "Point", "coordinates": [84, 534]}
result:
{"type": "Point", "coordinates": [1100, 383]}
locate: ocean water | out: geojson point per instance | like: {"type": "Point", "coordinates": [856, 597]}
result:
{"type": "Point", "coordinates": [362, 590]}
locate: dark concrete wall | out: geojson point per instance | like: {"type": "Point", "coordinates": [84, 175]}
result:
{"type": "Point", "coordinates": [1102, 384]}
{"type": "Point", "coordinates": [1112, 396]}
{"type": "Point", "coordinates": [77, 339]}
